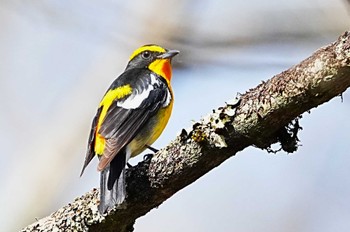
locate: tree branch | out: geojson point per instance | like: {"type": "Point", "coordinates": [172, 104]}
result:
{"type": "Point", "coordinates": [264, 115]}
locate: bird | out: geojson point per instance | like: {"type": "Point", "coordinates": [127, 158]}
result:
{"type": "Point", "coordinates": [131, 116]}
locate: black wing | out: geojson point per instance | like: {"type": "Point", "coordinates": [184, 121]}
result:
{"type": "Point", "coordinates": [126, 117]}
{"type": "Point", "coordinates": [90, 154]}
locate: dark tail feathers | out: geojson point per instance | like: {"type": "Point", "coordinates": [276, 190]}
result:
{"type": "Point", "coordinates": [112, 184]}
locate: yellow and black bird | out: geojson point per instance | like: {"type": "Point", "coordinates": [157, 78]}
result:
{"type": "Point", "coordinates": [131, 116]}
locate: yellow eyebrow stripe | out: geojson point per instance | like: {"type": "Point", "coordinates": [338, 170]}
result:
{"type": "Point", "coordinates": [152, 48]}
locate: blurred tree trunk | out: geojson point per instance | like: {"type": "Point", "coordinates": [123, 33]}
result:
{"type": "Point", "coordinates": [262, 116]}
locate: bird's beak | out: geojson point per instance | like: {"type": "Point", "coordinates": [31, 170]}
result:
{"type": "Point", "coordinates": [168, 55]}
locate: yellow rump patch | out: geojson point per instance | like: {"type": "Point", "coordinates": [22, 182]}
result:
{"type": "Point", "coordinates": [99, 144]}
{"type": "Point", "coordinates": [106, 102]}
{"type": "Point", "coordinates": [152, 48]}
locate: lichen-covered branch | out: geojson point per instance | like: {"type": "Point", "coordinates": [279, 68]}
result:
{"type": "Point", "coordinates": [263, 115]}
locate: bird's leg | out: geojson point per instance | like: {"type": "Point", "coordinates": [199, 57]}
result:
{"type": "Point", "coordinates": [152, 148]}
{"type": "Point", "coordinates": [149, 156]}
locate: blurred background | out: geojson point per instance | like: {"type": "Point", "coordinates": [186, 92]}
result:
{"type": "Point", "coordinates": [58, 57]}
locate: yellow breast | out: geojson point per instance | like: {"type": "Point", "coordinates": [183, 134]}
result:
{"type": "Point", "coordinates": [151, 131]}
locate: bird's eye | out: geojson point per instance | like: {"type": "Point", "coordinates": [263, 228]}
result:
{"type": "Point", "coordinates": [146, 55]}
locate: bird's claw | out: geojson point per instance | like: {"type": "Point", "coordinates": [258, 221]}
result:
{"type": "Point", "coordinates": [147, 157]}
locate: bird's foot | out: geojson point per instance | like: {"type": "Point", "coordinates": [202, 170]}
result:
{"type": "Point", "coordinates": [147, 157]}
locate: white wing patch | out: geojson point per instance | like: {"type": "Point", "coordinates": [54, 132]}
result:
{"type": "Point", "coordinates": [154, 79]}
{"type": "Point", "coordinates": [168, 98]}
{"type": "Point", "coordinates": [135, 99]}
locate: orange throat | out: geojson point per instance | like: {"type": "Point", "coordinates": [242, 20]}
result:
{"type": "Point", "coordinates": [166, 69]}
{"type": "Point", "coordinates": [162, 68]}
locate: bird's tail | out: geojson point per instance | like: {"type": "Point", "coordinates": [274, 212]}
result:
{"type": "Point", "coordinates": [112, 184]}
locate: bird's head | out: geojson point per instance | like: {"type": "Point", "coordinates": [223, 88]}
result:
{"type": "Point", "coordinates": [155, 58]}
